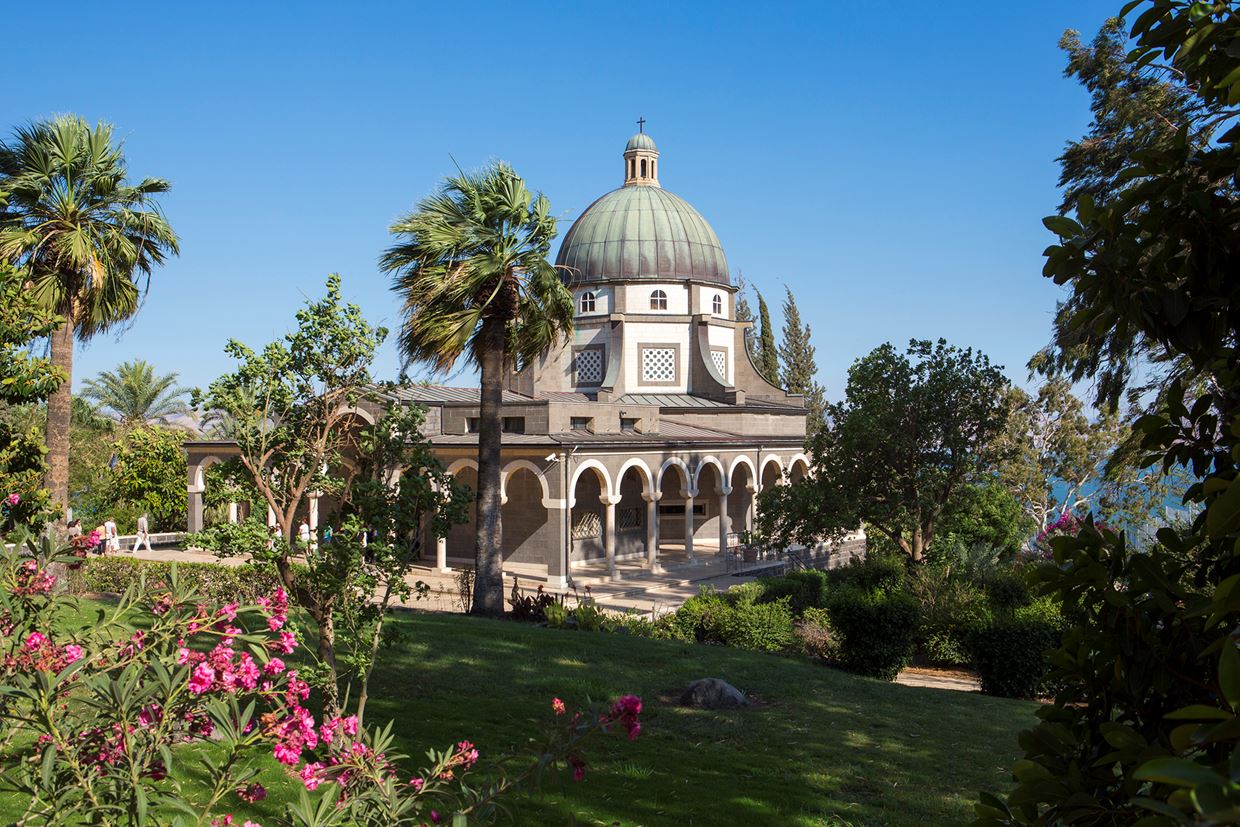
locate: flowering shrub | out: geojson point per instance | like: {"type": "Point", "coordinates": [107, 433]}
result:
{"type": "Point", "coordinates": [106, 719]}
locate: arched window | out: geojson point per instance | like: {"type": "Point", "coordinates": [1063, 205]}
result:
{"type": "Point", "coordinates": [658, 300]}
{"type": "Point", "coordinates": [643, 167]}
{"type": "Point", "coordinates": [587, 302]}
{"type": "Point", "coordinates": [716, 305]}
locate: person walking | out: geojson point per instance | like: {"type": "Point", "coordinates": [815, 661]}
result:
{"type": "Point", "coordinates": [142, 537]}
{"type": "Point", "coordinates": [303, 534]}
{"type": "Point", "coordinates": [75, 529]}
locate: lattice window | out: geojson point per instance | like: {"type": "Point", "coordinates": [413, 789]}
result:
{"type": "Point", "coordinates": [629, 517]}
{"type": "Point", "coordinates": [589, 366]}
{"type": "Point", "coordinates": [658, 364]}
{"type": "Point", "coordinates": [587, 525]}
{"type": "Point", "coordinates": [720, 358]}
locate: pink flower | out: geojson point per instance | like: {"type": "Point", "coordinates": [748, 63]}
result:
{"type": "Point", "coordinates": [274, 666]}
{"type": "Point", "coordinates": [349, 725]}
{"type": "Point", "coordinates": [202, 679]}
{"type": "Point", "coordinates": [183, 656]}
{"type": "Point", "coordinates": [35, 640]}
{"type": "Point", "coordinates": [288, 642]}
{"type": "Point", "coordinates": [417, 784]}
{"type": "Point", "coordinates": [228, 611]}
{"type": "Point", "coordinates": [252, 792]}
{"type": "Point", "coordinates": [93, 539]}
{"type": "Point", "coordinates": [557, 706]}
{"type": "Point", "coordinates": [13, 499]}
{"type": "Point", "coordinates": [73, 653]}
{"type": "Point", "coordinates": [310, 775]}
{"type": "Point", "coordinates": [625, 710]}
{"type": "Point", "coordinates": [287, 754]}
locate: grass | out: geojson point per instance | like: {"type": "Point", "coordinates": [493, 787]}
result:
{"type": "Point", "coordinates": [821, 748]}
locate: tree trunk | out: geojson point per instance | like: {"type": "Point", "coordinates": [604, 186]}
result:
{"type": "Point", "coordinates": [327, 656]}
{"type": "Point", "coordinates": [488, 547]}
{"type": "Point", "coordinates": [59, 413]}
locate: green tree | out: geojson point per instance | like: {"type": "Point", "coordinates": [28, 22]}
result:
{"type": "Point", "coordinates": [24, 379]}
{"type": "Point", "coordinates": [1145, 727]}
{"type": "Point", "coordinates": [149, 474]}
{"type": "Point", "coordinates": [1135, 109]}
{"type": "Point", "coordinates": [289, 408]}
{"type": "Point", "coordinates": [470, 265]}
{"type": "Point", "coordinates": [136, 395]}
{"type": "Point", "coordinates": [986, 514]}
{"type": "Point", "coordinates": [766, 355]}
{"type": "Point", "coordinates": [1057, 457]}
{"type": "Point", "coordinates": [744, 313]}
{"type": "Point", "coordinates": [800, 368]}
{"type": "Point", "coordinates": [913, 429]}
{"type": "Point", "coordinates": [89, 240]}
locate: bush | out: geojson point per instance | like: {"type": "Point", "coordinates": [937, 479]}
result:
{"type": "Point", "coordinates": [1009, 654]}
{"type": "Point", "coordinates": [702, 617]}
{"type": "Point", "coordinates": [248, 536]}
{"type": "Point", "coordinates": [875, 573]}
{"type": "Point", "coordinates": [1007, 590]}
{"type": "Point", "coordinates": [814, 636]}
{"type": "Point", "coordinates": [751, 592]}
{"type": "Point", "coordinates": [876, 631]}
{"type": "Point", "coordinates": [216, 582]}
{"type": "Point", "coordinates": [763, 627]}
{"type": "Point", "coordinates": [804, 588]}
{"type": "Point", "coordinates": [951, 607]}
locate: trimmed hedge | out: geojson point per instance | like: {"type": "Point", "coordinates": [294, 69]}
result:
{"type": "Point", "coordinates": [1009, 653]}
{"type": "Point", "coordinates": [764, 627]}
{"type": "Point", "coordinates": [876, 631]}
{"type": "Point", "coordinates": [215, 582]}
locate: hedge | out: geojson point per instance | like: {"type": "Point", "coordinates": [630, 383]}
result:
{"type": "Point", "coordinates": [213, 581]}
{"type": "Point", "coordinates": [876, 631]}
{"type": "Point", "coordinates": [1009, 653]}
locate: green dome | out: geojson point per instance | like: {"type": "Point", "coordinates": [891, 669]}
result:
{"type": "Point", "coordinates": [642, 232]}
{"type": "Point", "coordinates": [641, 141]}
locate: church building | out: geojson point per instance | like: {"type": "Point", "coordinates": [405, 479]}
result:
{"type": "Point", "coordinates": [649, 432]}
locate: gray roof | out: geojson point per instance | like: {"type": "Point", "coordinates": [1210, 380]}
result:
{"type": "Point", "coordinates": [686, 400]}
{"type": "Point", "coordinates": [642, 232]}
{"type": "Point", "coordinates": [441, 393]}
{"type": "Point", "coordinates": [641, 141]}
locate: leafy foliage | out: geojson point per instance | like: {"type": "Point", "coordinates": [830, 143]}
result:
{"type": "Point", "coordinates": [1144, 726]}
{"type": "Point", "coordinates": [766, 355]}
{"type": "Point", "coordinates": [876, 631]}
{"type": "Point", "coordinates": [149, 473]}
{"type": "Point", "coordinates": [1009, 653]}
{"type": "Point", "coordinates": [913, 429]}
{"type": "Point", "coordinates": [24, 379]}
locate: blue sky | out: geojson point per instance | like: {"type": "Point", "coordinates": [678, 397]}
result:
{"type": "Point", "coordinates": [888, 162]}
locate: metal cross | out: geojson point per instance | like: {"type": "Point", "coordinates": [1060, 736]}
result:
{"type": "Point", "coordinates": [641, 124]}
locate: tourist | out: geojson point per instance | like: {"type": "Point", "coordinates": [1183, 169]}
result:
{"type": "Point", "coordinates": [327, 535]}
{"type": "Point", "coordinates": [303, 534]}
{"type": "Point", "coordinates": [111, 535]}
{"type": "Point", "coordinates": [142, 537]}
{"type": "Point", "coordinates": [273, 533]}
{"type": "Point", "coordinates": [75, 529]}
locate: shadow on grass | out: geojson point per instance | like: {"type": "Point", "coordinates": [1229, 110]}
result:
{"type": "Point", "coordinates": [825, 748]}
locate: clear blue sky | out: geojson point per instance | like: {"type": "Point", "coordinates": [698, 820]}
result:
{"type": "Point", "coordinates": [889, 162]}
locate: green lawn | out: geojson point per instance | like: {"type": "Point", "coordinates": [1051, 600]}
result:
{"type": "Point", "coordinates": [822, 747]}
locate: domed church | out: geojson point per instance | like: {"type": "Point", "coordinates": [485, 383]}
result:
{"type": "Point", "coordinates": [643, 440]}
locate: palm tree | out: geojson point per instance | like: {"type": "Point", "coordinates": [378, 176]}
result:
{"type": "Point", "coordinates": [136, 395]}
{"type": "Point", "coordinates": [88, 238]}
{"type": "Point", "coordinates": [471, 269]}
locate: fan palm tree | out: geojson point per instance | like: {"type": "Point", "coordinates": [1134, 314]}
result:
{"type": "Point", "coordinates": [136, 395]}
{"type": "Point", "coordinates": [88, 238]}
{"type": "Point", "coordinates": [471, 269]}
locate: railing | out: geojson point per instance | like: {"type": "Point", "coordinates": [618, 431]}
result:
{"type": "Point", "coordinates": [162, 538]}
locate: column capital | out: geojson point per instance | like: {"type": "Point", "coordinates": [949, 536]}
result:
{"type": "Point", "coordinates": [608, 499]}
{"type": "Point", "coordinates": [652, 497]}
{"type": "Point", "coordinates": [725, 491]}
{"type": "Point", "coordinates": [691, 494]}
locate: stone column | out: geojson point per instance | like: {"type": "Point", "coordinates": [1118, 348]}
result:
{"type": "Point", "coordinates": [194, 523]}
{"type": "Point", "coordinates": [232, 512]}
{"type": "Point", "coordinates": [312, 509]}
{"type": "Point", "coordinates": [271, 516]}
{"type": "Point", "coordinates": [609, 533]}
{"type": "Point", "coordinates": [751, 511]}
{"type": "Point", "coordinates": [689, 526]}
{"type": "Point", "coordinates": [724, 524]}
{"type": "Point", "coordinates": [441, 554]}
{"type": "Point", "coordinates": [652, 529]}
